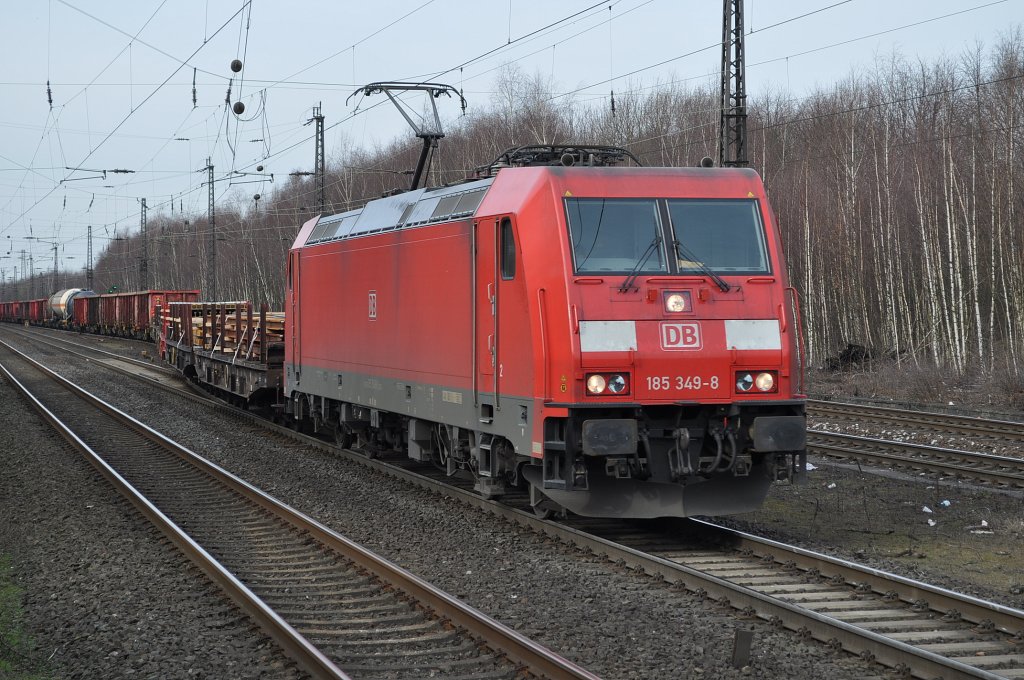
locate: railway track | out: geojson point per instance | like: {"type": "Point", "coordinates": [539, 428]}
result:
{"type": "Point", "coordinates": [336, 608]}
{"type": "Point", "coordinates": [917, 629]}
{"type": "Point", "coordinates": [1003, 471]}
{"type": "Point", "coordinates": [914, 628]}
{"type": "Point", "coordinates": [161, 376]}
{"type": "Point", "coordinates": [983, 429]}
{"type": "Point", "coordinates": [1000, 471]}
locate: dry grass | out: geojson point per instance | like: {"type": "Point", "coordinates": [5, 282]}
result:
{"type": "Point", "coordinates": [884, 380]}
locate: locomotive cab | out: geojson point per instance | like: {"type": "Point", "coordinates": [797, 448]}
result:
{"type": "Point", "coordinates": [672, 383]}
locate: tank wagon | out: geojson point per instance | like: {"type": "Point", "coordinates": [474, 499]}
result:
{"type": "Point", "coordinates": [61, 303]}
{"type": "Point", "coordinates": [623, 341]}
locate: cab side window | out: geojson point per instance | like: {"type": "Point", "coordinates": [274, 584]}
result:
{"type": "Point", "coordinates": [508, 251]}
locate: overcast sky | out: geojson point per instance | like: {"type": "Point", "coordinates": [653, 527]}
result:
{"type": "Point", "coordinates": [121, 82]}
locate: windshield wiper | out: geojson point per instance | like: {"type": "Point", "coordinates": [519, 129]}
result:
{"type": "Point", "coordinates": [682, 252]}
{"type": "Point", "coordinates": [627, 285]}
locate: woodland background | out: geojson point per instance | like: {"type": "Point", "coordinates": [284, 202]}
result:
{"type": "Point", "coordinates": [898, 192]}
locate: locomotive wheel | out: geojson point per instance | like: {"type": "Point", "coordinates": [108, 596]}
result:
{"type": "Point", "coordinates": [343, 439]}
{"type": "Point", "coordinates": [544, 507]}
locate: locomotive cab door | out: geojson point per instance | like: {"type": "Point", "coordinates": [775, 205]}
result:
{"type": "Point", "coordinates": [501, 341]}
{"type": "Point", "coordinates": [294, 306]}
{"type": "Point", "coordinates": [485, 319]}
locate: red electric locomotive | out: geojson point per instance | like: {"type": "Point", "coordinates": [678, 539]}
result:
{"type": "Point", "coordinates": [621, 340]}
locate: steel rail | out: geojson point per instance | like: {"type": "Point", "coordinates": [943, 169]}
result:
{"type": "Point", "coordinates": [291, 641]}
{"type": "Point", "coordinates": [1009, 620]}
{"type": "Point", "coordinates": [993, 469]}
{"type": "Point", "coordinates": [944, 422]}
{"type": "Point", "coordinates": [867, 644]}
{"type": "Point", "coordinates": [517, 647]}
{"type": "Point", "coordinates": [112, 360]}
{"type": "Point", "coordinates": [61, 343]}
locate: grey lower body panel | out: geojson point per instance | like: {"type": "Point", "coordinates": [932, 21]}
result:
{"type": "Point", "coordinates": [607, 497]}
{"type": "Point", "coordinates": [509, 416]}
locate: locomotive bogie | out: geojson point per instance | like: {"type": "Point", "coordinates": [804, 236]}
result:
{"type": "Point", "coordinates": [636, 461]}
{"type": "Point", "coordinates": [426, 421]}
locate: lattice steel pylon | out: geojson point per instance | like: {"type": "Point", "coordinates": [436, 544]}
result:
{"type": "Point", "coordinates": [211, 250]}
{"type": "Point", "coordinates": [144, 265]}
{"type": "Point", "coordinates": [319, 166]}
{"type": "Point", "coordinates": [88, 262]}
{"type": "Point", "coordinates": [732, 149]}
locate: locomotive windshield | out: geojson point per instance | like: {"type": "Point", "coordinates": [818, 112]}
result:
{"type": "Point", "coordinates": [616, 235]}
{"type": "Point", "coordinates": [725, 236]}
{"type": "Point", "coordinates": [634, 235]}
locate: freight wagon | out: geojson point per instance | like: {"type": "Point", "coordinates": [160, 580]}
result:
{"type": "Point", "coordinates": [126, 314]}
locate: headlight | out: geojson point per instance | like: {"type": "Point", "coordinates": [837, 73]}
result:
{"type": "Point", "coordinates": [677, 302]}
{"type": "Point", "coordinates": [607, 384]}
{"type": "Point", "coordinates": [757, 381]}
{"type": "Point", "coordinates": [765, 382]}
{"type": "Point", "coordinates": [596, 384]}
{"type": "Point", "coordinates": [617, 384]}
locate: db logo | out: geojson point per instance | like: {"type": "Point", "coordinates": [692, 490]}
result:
{"type": "Point", "coordinates": [680, 336]}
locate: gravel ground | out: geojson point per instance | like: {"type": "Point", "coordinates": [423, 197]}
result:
{"type": "Point", "coordinates": [875, 430]}
{"type": "Point", "coordinates": [609, 619]}
{"type": "Point", "coordinates": [959, 536]}
{"type": "Point", "coordinates": [105, 595]}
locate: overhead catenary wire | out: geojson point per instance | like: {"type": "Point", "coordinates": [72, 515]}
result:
{"type": "Point", "coordinates": [266, 155]}
{"type": "Point", "coordinates": [285, 135]}
{"type": "Point", "coordinates": [125, 119]}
